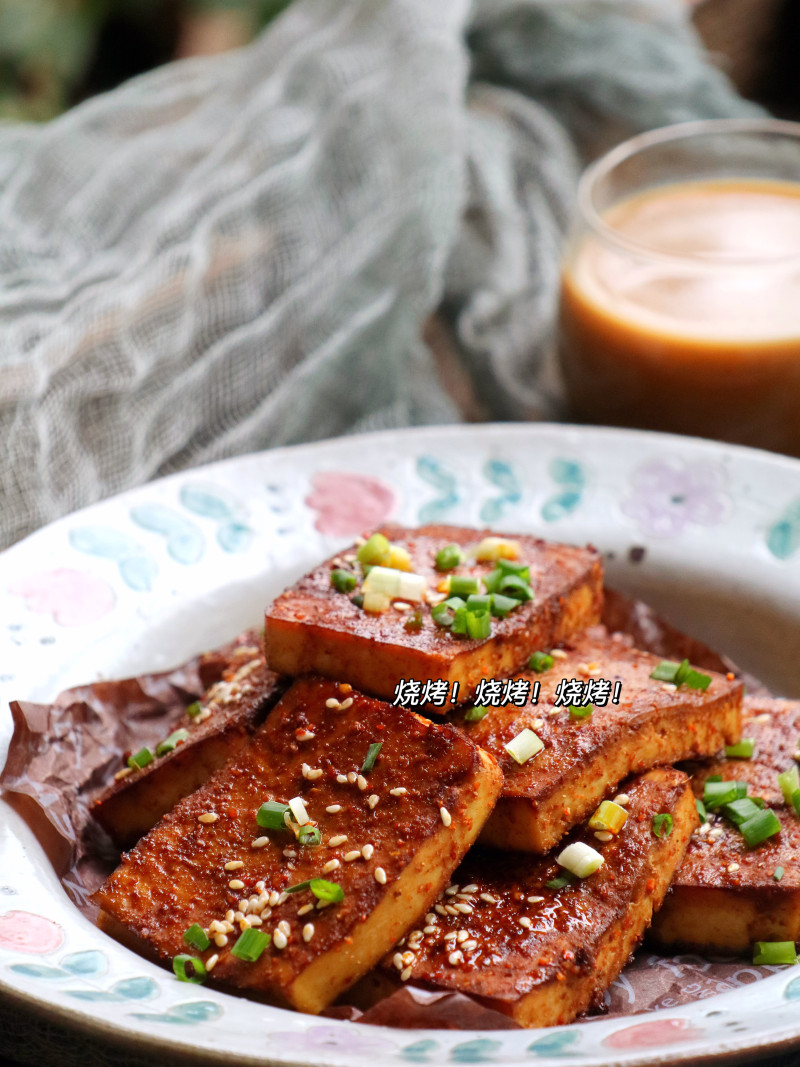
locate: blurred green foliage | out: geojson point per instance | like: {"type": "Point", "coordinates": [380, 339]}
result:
{"type": "Point", "coordinates": [54, 53]}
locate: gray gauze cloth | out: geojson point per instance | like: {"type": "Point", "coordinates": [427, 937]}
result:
{"type": "Point", "coordinates": [236, 252]}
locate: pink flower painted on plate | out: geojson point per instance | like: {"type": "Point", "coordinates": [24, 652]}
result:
{"type": "Point", "coordinates": [668, 496]}
{"type": "Point", "coordinates": [348, 504]}
{"type": "Point", "coordinates": [22, 931]}
{"type": "Point", "coordinates": [319, 1039]}
{"type": "Point", "coordinates": [653, 1034]}
{"type": "Point", "coordinates": [73, 598]}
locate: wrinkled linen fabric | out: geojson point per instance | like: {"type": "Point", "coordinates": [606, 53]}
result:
{"type": "Point", "coordinates": [238, 252]}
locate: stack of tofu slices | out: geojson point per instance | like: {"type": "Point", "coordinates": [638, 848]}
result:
{"type": "Point", "coordinates": [376, 792]}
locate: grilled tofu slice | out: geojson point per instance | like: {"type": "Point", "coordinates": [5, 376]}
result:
{"type": "Point", "coordinates": [725, 896]}
{"type": "Point", "coordinates": [312, 627]}
{"type": "Point", "coordinates": [390, 837]}
{"type": "Point", "coordinates": [544, 955]}
{"type": "Point", "coordinates": [583, 760]}
{"type": "Point", "coordinates": [218, 728]}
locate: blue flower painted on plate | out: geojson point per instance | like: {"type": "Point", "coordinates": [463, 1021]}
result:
{"type": "Point", "coordinates": [501, 474]}
{"type": "Point", "coordinates": [85, 963]}
{"type": "Point", "coordinates": [442, 479]}
{"type": "Point", "coordinates": [185, 542]}
{"type": "Point", "coordinates": [316, 1041]}
{"type": "Point", "coordinates": [421, 1052]}
{"type": "Point", "coordinates": [570, 477]}
{"type": "Point", "coordinates": [668, 495]}
{"type": "Point", "coordinates": [558, 1044]}
{"type": "Point", "coordinates": [127, 989]}
{"type": "Point", "coordinates": [188, 1014]}
{"type": "Point", "coordinates": [38, 970]}
{"type": "Point", "coordinates": [137, 569]}
{"type": "Point", "coordinates": [783, 537]}
{"type": "Point", "coordinates": [792, 990]}
{"type": "Point", "coordinates": [212, 502]}
{"type": "Point", "coordinates": [481, 1050]}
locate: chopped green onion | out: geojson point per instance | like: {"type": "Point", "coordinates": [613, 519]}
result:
{"type": "Point", "coordinates": [739, 811]}
{"type": "Point", "coordinates": [796, 801]}
{"type": "Point", "coordinates": [681, 674]}
{"type": "Point", "coordinates": [271, 815]}
{"type": "Point", "coordinates": [491, 581]}
{"type": "Point", "coordinates": [701, 811]}
{"type": "Point", "coordinates": [358, 600]}
{"type": "Point", "coordinates": [413, 622]}
{"type": "Point", "coordinates": [198, 975]}
{"type": "Point", "coordinates": [778, 873]}
{"type": "Point", "coordinates": [774, 952]}
{"type": "Point", "coordinates": [322, 889]}
{"type": "Point", "coordinates": [372, 755]}
{"type": "Point", "coordinates": [609, 816]}
{"type": "Point", "coordinates": [343, 581]}
{"type": "Point", "coordinates": [444, 613]}
{"type": "Point", "coordinates": [715, 794]}
{"type": "Point", "coordinates": [662, 824]}
{"type": "Point", "coordinates": [375, 602]}
{"type": "Point", "coordinates": [665, 671]}
{"type": "Point", "coordinates": [459, 625]}
{"type": "Point", "coordinates": [502, 605]}
{"type": "Point", "coordinates": [477, 713]}
{"type": "Point", "coordinates": [395, 584]}
{"type": "Point", "coordinates": [309, 836]}
{"type": "Point", "coordinates": [560, 881]}
{"type": "Point", "coordinates": [540, 661]}
{"type": "Point", "coordinates": [514, 586]}
{"type": "Point", "coordinates": [479, 626]}
{"type": "Point", "coordinates": [374, 551]}
{"type": "Point", "coordinates": [194, 709]}
{"type": "Point", "coordinates": [448, 557]}
{"type": "Point", "coordinates": [524, 746]}
{"type": "Point", "coordinates": [789, 783]}
{"type": "Point", "coordinates": [196, 937]}
{"type": "Point", "coordinates": [744, 749]}
{"type": "Point", "coordinates": [580, 859]}
{"type": "Point", "coordinates": [760, 827]}
{"type": "Point", "coordinates": [579, 711]}
{"type": "Point", "coordinates": [140, 759]}
{"type": "Point", "coordinates": [172, 742]}
{"type": "Point", "coordinates": [463, 585]}
{"type": "Point", "coordinates": [250, 945]}
{"type": "Point", "coordinates": [479, 602]}
{"type": "Point", "coordinates": [511, 566]}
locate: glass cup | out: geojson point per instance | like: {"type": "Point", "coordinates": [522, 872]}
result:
{"type": "Point", "coordinates": [680, 294]}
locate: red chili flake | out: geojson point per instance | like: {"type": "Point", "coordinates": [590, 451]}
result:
{"type": "Point", "coordinates": [560, 976]}
{"type": "Point", "coordinates": [730, 676]}
{"type": "Point", "coordinates": [651, 884]}
{"type": "Point", "coordinates": [233, 812]}
{"type": "Point", "coordinates": [568, 955]}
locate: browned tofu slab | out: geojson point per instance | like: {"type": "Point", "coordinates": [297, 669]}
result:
{"type": "Point", "coordinates": [390, 839]}
{"type": "Point", "coordinates": [544, 955]}
{"type": "Point", "coordinates": [725, 896]}
{"type": "Point", "coordinates": [228, 714]}
{"type": "Point", "coordinates": [583, 760]}
{"type": "Point", "coordinates": [311, 627]}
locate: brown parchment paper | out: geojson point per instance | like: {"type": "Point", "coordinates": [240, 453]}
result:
{"type": "Point", "coordinates": [61, 755]}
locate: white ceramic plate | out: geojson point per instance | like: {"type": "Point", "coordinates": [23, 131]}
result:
{"type": "Point", "coordinates": [143, 580]}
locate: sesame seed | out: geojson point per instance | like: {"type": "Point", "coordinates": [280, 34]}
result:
{"type": "Point", "coordinates": [216, 927]}
{"type": "Point", "coordinates": [261, 886]}
{"type": "Point", "coordinates": [367, 851]}
{"type": "Point", "coordinates": [446, 816]}
{"type": "Point", "coordinates": [314, 773]}
{"type": "Point", "coordinates": [238, 916]}
{"type": "Point", "coordinates": [308, 931]}
{"type": "Point", "coordinates": [348, 857]}
{"type": "Point", "coordinates": [244, 924]}
{"type": "Point", "coordinates": [220, 940]}
{"type": "Point", "coordinates": [489, 898]}
{"type": "Point", "coordinates": [282, 898]}
{"type": "Point", "coordinates": [451, 935]}
{"type": "Point", "coordinates": [400, 605]}
{"type": "Point", "coordinates": [715, 834]}
{"type": "Point", "coordinates": [462, 935]}
{"type": "Point", "coordinates": [603, 835]}
{"type": "Point", "coordinates": [380, 876]}
{"type": "Point", "coordinates": [373, 799]}
{"type": "Point", "coordinates": [289, 853]}
{"type": "Point", "coordinates": [228, 928]}
{"type": "Point", "coordinates": [558, 653]}
{"type": "Point", "coordinates": [535, 900]}
{"type": "Point", "coordinates": [279, 939]}
{"type": "Point", "coordinates": [704, 829]}
{"type": "Point", "coordinates": [622, 799]}
{"type": "Point", "coordinates": [298, 809]}
{"type": "Point", "coordinates": [305, 735]}
{"type": "Point", "coordinates": [405, 974]}
{"type": "Point", "coordinates": [123, 773]}
{"type": "Point", "coordinates": [339, 839]}
{"type": "Point", "coordinates": [229, 914]}
{"type": "Point", "coordinates": [234, 865]}
{"type": "Point", "coordinates": [306, 908]}
{"type": "Point", "coordinates": [333, 809]}
{"type": "Point", "coordinates": [244, 906]}
{"type": "Point", "coordinates": [284, 927]}
{"type": "Point", "coordinates": [429, 929]}
{"type": "Point", "coordinates": [351, 777]}
{"type": "Point", "coordinates": [331, 865]}
{"type": "Point", "coordinates": [398, 791]}
{"type": "Point", "coordinates": [397, 960]}
{"type": "Point", "coordinates": [204, 714]}
{"type": "Point", "coordinates": [451, 890]}
{"type": "Point", "coordinates": [465, 909]}
{"type": "Point", "coordinates": [361, 781]}
{"type": "Point", "coordinates": [455, 957]}
{"type": "Point", "coordinates": [450, 910]}
{"type": "Point", "coordinates": [346, 703]}
{"type": "Point", "coordinates": [732, 868]}
{"type": "Point", "coordinates": [430, 918]}
{"type": "Point", "coordinates": [255, 920]}
{"type": "Point", "coordinates": [332, 702]}
{"type": "Point", "coordinates": [525, 921]}
{"type": "Point", "coordinates": [323, 904]}
{"type": "Point", "coordinates": [274, 898]}
{"type": "Point", "coordinates": [212, 961]}
{"type": "Point", "coordinates": [408, 957]}
{"type": "Point", "coordinates": [259, 842]}
{"type": "Point", "coordinates": [668, 687]}
{"type": "Point", "coordinates": [440, 909]}
{"type": "Point", "coordinates": [341, 778]}
{"type": "Point", "coordinates": [415, 935]}
{"type": "Point", "coordinates": [235, 884]}
{"type": "Point", "coordinates": [207, 817]}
